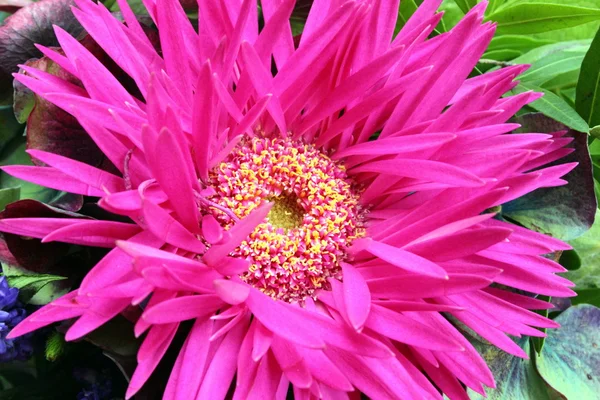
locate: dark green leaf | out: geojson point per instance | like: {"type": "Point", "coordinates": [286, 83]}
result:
{"type": "Point", "coordinates": [14, 154]}
{"type": "Point", "coordinates": [115, 337]}
{"type": "Point", "coordinates": [23, 101]}
{"type": "Point", "coordinates": [538, 342]}
{"type": "Point", "coordinates": [570, 360]}
{"type": "Point", "coordinates": [567, 211]}
{"type": "Point", "coordinates": [9, 126]}
{"type": "Point", "coordinates": [554, 107]}
{"type": "Point", "coordinates": [570, 260]}
{"type": "Point", "coordinates": [587, 296]}
{"type": "Point", "coordinates": [528, 18]}
{"type": "Point", "coordinates": [407, 9]}
{"type": "Point", "coordinates": [8, 196]}
{"type": "Point", "coordinates": [588, 87]}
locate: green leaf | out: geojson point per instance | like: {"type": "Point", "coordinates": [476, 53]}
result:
{"type": "Point", "coordinates": [30, 285]}
{"type": "Point", "coordinates": [587, 100]}
{"type": "Point", "coordinates": [570, 360]}
{"type": "Point", "coordinates": [516, 42]}
{"type": "Point", "coordinates": [564, 85]}
{"type": "Point", "coordinates": [493, 5]}
{"type": "Point", "coordinates": [587, 296]}
{"type": "Point", "coordinates": [502, 54]}
{"type": "Point", "coordinates": [564, 212]}
{"type": "Point", "coordinates": [8, 195]}
{"type": "Point", "coordinates": [516, 378]}
{"type": "Point", "coordinates": [115, 337]}
{"type": "Point", "coordinates": [552, 65]}
{"type": "Point", "coordinates": [9, 126]}
{"type": "Point", "coordinates": [570, 260]}
{"type": "Point", "coordinates": [554, 107]}
{"type": "Point", "coordinates": [528, 18]}
{"type": "Point", "coordinates": [14, 154]}
{"type": "Point", "coordinates": [588, 248]}
{"type": "Point", "coordinates": [452, 15]}
{"type": "Point", "coordinates": [137, 6]}
{"type": "Point", "coordinates": [407, 9]}
{"type": "Point", "coordinates": [466, 5]}
{"type": "Point", "coordinates": [538, 342]}
{"type": "Point", "coordinates": [509, 47]}
{"type": "Point", "coordinates": [541, 52]}
{"type": "Point", "coordinates": [595, 132]}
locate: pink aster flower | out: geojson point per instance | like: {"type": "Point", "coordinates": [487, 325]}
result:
{"type": "Point", "coordinates": [261, 207]}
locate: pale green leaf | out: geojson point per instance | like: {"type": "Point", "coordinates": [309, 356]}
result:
{"type": "Point", "coordinates": [570, 359]}
{"type": "Point", "coordinates": [30, 285]}
{"type": "Point", "coordinates": [528, 18]}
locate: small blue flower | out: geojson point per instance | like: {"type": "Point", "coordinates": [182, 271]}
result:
{"type": "Point", "coordinates": [12, 313]}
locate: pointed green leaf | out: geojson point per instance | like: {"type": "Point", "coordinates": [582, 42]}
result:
{"type": "Point", "coordinates": [554, 107]}
{"type": "Point", "coordinates": [587, 101]}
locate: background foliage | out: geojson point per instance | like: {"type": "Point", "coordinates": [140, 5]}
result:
{"type": "Point", "coordinates": [559, 39]}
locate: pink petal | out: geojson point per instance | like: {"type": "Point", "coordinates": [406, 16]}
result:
{"type": "Point", "coordinates": [401, 258]}
{"type": "Point", "coordinates": [182, 308]}
{"type": "Point", "coordinates": [406, 330]}
{"type": "Point", "coordinates": [239, 232]}
{"type": "Point", "coordinates": [221, 370]}
{"type": "Point", "coordinates": [93, 233]}
{"type": "Point", "coordinates": [165, 227]}
{"type": "Point", "coordinates": [52, 178]}
{"type": "Point", "coordinates": [231, 292]}
{"type": "Point", "coordinates": [357, 297]}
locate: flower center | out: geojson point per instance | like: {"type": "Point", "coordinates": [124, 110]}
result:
{"type": "Point", "coordinates": [315, 216]}
{"type": "Point", "coordinates": [286, 212]}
